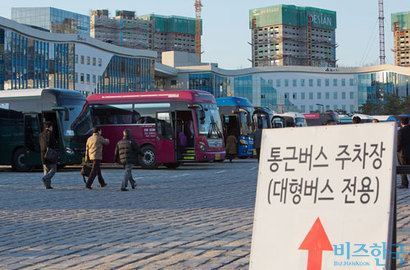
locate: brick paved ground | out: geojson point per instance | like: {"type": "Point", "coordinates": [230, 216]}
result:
{"type": "Point", "coordinates": [195, 217]}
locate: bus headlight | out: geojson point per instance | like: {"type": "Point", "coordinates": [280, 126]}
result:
{"type": "Point", "coordinates": [243, 142]}
{"type": "Point", "coordinates": [202, 147]}
{"type": "Point", "coordinates": [69, 151]}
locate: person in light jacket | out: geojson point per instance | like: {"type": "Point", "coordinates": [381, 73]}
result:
{"type": "Point", "coordinates": [93, 153]}
{"type": "Point", "coordinates": [127, 150]}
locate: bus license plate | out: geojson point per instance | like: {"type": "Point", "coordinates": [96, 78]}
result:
{"type": "Point", "coordinates": [217, 156]}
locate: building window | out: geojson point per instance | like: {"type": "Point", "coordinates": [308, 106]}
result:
{"type": "Point", "coordinates": [294, 95]}
{"type": "Point", "coordinates": [351, 95]}
{"type": "Point", "coordinates": [351, 108]}
{"type": "Point", "coordinates": [319, 82]}
{"type": "Point", "coordinates": [319, 95]}
{"type": "Point", "coordinates": [310, 108]}
{"type": "Point", "coordinates": [294, 83]}
{"type": "Point", "coordinates": [302, 82]}
{"type": "Point", "coordinates": [327, 95]}
{"type": "Point", "coordinates": [277, 83]}
{"type": "Point", "coordinates": [88, 78]}
{"type": "Point", "coordinates": [88, 60]}
{"type": "Point", "coordinates": [344, 107]}
{"type": "Point", "coordinates": [351, 82]}
{"type": "Point", "coordinates": [334, 82]}
{"type": "Point", "coordinates": [327, 82]}
{"type": "Point", "coordinates": [82, 78]}
{"type": "Point", "coordinates": [94, 61]}
{"type": "Point", "coordinates": [76, 59]}
{"type": "Point", "coordinates": [76, 77]}
{"type": "Point", "coordinates": [94, 79]}
{"type": "Point", "coordinates": [343, 82]}
{"type": "Point", "coordinates": [286, 83]}
{"type": "Point", "coordinates": [310, 82]}
{"type": "Point", "coordinates": [302, 108]}
{"type": "Point", "coordinates": [82, 59]}
{"type": "Point", "coordinates": [99, 62]}
{"type": "Point", "coordinates": [335, 95]}
{"type": "Point", "coordinates": [335, 107]}
{"type": "Point", "coordinates": [343, 95]}
{"type": "Point", "coordinates": [311, 95]}
{"type": "Point", "coordinates": [302, 95]}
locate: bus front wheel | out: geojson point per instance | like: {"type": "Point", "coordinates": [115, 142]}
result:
{"type": "Point", "coordinates": [149, 158]}
{"type": "Point", "coordinates": [18, 163]}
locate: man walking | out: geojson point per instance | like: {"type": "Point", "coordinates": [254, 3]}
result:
{"type": "Point", "coordinates": [93, 152]}
{"type": "Point", "coordinates": [127, 150]}
{"type": "Point", "coordinates": [47, 140]}
{"type": "Point", "coordinates": [403, 148]}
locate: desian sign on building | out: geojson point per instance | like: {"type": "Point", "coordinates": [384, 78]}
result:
{"type": "Point", "coordinates": [324, 198]}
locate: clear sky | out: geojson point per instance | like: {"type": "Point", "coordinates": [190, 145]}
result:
{"type": "Point", "coordinates": [226, 30]}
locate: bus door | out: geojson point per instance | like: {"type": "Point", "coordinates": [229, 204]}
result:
{"type": "Point", "coordinates": [184, 134]}
{"type": "Point", "coordinates": [231, 125]}
{"type": "Point", "coordinates": [32, 130]}
{"type": "Point", "coordinates": [165, 145]}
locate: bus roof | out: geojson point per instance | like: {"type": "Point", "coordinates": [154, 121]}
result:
{"type": "Point", "coordinates": [189, 96]}
{"type": "Point", "coordinates": [35, 93]}
{"type": "Point", "coordinates": [233, 101]}
{"type": "Point", "coordinates": [292, 114]}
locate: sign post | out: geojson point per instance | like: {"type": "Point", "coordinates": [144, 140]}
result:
{"type": "Point", "coordinates": [324, 198]}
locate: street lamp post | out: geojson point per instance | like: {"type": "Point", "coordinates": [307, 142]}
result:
{"type": "Point", "coordinates": [322, 106]}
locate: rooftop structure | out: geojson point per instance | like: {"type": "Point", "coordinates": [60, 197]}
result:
{"type": "Point", "coordinates": [52, 19]}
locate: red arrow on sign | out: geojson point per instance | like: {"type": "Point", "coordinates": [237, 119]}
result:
{"type": "Point", "coordinates": [316, 242]}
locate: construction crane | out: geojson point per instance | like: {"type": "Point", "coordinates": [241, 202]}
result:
{"type": "Point", "coordinates": [198, 8]}
{"type": "Point", "coordinates": [382, 54]}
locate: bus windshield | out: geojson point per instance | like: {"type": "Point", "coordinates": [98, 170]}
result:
{"type": "Point", "coordinates": [79, 123]}
{"type": "Point", "coordinates": [210, 124]}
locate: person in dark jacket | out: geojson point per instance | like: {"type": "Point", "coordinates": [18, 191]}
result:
{"type": "Point", "coordinates": [403, 148]}
{"type": "Point", "coordinates": [257, 138]}
{"type": "Point", "coordinates": [127, 150]}
{"type": "Point", "coordinates": [47, 140]}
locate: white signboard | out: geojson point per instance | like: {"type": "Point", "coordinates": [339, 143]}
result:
{"type": "Point", "coordinates": [324, 198]}
{"type": "Point", "coordinates": [4, 106]}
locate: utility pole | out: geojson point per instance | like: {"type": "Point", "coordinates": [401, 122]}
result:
{"type": "Point", "coordinates": [198, 8]}
{"type": "Point", "coordinates": [382, 54]}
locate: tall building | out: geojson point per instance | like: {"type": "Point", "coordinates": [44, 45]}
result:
{"type": "Point", "coordinates": [30, 58]}
{"type": "Point", "coordinates": [286, 35]}
{"type": "Point", "coordinates": [400, 25]}
{"type": "Point", "coordinates": [123, 30]}
{"type": "Point", "coordinates": [52, 19]}
{"type": "Point", "coordinates": [172, 33]}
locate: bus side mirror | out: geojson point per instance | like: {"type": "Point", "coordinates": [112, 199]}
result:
{"type": "Point", "coordinates": [202, 116]}
{"type": "Point", "coordinates": [66, 113]}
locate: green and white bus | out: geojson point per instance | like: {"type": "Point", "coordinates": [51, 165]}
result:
{"type": "Point", "coordinates": [22, 116]}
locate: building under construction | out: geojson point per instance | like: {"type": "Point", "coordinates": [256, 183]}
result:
{"type": "Point", "coordinates": [400, 24]}
{"type": "Point", "coordinates": [172, 33]}
{"type": "Point", "coordinates": [286, 35]}
{"type": "Point", "coordinates": [154, 32]}
{"type": "Point", "coordinates": [123, 30]}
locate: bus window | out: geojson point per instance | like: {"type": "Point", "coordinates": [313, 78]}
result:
{"type": "Point", "coordinates": [164, 128]}
{"type": "Point", "coordinates": [115, 114]}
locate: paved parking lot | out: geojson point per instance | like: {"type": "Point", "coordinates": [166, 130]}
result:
{"type": "Point", "coordinates": [196, 217]}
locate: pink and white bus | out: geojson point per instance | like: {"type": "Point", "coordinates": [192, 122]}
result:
{"type": "Point", "coordinates": [171, 127]}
